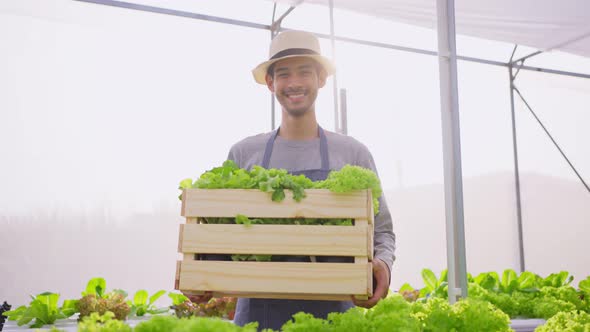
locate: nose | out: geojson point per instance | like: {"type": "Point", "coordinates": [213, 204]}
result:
{"type": "Point", "coordinates": [294, 82]}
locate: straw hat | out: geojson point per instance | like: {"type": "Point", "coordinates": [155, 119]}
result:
{"type": "Point", "coordinates": [290, 44]}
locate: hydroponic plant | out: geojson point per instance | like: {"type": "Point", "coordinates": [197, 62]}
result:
{"type": "Point", "coordinates": [520, 296]}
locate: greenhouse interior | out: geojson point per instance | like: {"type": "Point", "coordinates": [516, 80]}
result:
{"type": "Point", "coordinates": [119, 121]}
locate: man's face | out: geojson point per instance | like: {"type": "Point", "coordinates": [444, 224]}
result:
{"type": "Point", "coordinates": [296, 82]}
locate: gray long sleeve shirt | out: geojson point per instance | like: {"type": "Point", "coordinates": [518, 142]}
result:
{"type": "Point", "coordinates": [295, 155]}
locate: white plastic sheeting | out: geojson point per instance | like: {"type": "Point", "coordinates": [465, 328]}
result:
{"type": "Point", "coordinates": [542, 24]}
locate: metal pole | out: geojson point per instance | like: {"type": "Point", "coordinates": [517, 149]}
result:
{"type": "Point", "coordinates": [521, 260]}
{"type": "Point", "coordinates": [344, 111]}
{"type": "Point", "coordinates": [273, 32]}
{"type": "Point", "coordinates": [335, 85]}
{"type": "Point", "coordinates": [275, 27]}
{"type": "Point", "coordinates": [556, 72]}
{"type": "Point", "coordinates": [447, 57]}
{"type": "Point", "coordinates": [272, 112]}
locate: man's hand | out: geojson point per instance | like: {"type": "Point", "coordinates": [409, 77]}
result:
{"type": "Point", "coordinates": [199, 298]}
{"type": "Point", "coordinates": [381, 276]}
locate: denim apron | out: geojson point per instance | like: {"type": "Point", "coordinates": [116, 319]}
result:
{"type": "Point", "coordinates": [273, 313]}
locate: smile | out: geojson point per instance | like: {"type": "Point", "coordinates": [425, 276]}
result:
{"type": "Point", "coordinates": [299, 95]}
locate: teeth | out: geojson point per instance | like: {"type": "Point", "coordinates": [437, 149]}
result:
{"type": "Point", "coordinates": [296, 96]}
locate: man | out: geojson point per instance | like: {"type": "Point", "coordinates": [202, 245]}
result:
{"type": "Point", "coordinates": [294, 73]}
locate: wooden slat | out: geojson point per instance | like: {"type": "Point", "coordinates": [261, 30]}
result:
{"type": "Point", "coordinates": [276, 239]}
{"type": "Point", "coordinates": [319, 203]}
{"type": "Point", "coordinates": [180, 237]}
{"type": "Point", "coordinates": [191, 256]}
{"type": "Point", "coordinates": [370, 212]}
{"type": "Point", "coordinates": [363, 259]}
{"type": "Point", "coordinates": [370, 240]}
{"type": "Point", "coordinates": [275, 277]}
{"type": "Point", "coordinates": [322, 297]}
{"type": "Point", "coordinates": [370, 279]}
{"type": "Point", "coordinates": [183, 206]}
{"type": "Point", "coordinates": [177, 276]}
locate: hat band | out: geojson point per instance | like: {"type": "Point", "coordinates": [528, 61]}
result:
{"type": "Point", "coordinates": [294, 51]}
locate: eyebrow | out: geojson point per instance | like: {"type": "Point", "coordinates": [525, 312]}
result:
{"type": "Point", "coordinates": [305, 66]}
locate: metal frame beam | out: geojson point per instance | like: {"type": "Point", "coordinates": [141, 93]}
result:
{"type": "Point", "coordinates": [173, 12]}
{"type": "Point", "coordinates": [159, 10]}
{"type": "Point", "coordinates": [521, 256]}
{"type": "Point", "coordinates": [552, 140]}
{"type": "Point", "coordinates": [511, 62]}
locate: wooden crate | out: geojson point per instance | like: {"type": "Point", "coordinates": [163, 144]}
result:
{"type": "Point", "coordinates": [291, 280]}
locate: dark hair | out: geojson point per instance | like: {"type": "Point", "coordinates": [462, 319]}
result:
{"type": "Point", "coordinates": [271, 69]}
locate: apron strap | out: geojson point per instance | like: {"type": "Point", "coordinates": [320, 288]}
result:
{"type": "Point", "coordinates": [324, 150]}
{"type": "Point", "coordinates": [268, 148]}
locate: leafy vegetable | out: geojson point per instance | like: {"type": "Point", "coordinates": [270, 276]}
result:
{"type": "Point", "coordinates": [430, 280]}
{"type": "Point", "coordinates": [567, 322]}
{"type": "Point", "coordinates": [432, 285]}
{"type": "Point", "coordinates": [230, 176]}
{"type": "Point", "coordinates": [222, 307]}
{"type": "Point", "coordinates": [584, 285]}
{"type": "Point", "coordinates": [257, 258]}
{"type": "Point", "coordinates": [509, 282]}
{"type": "Point", "coordinates": [527, 282]}
{"type": "Point", "coordinates": [350, 178]}
{"type": "Point", "coordinates": [95, 286]}
{"type": "Point", "coordinates": [140, 305]}
{"type": "Point", "coordinates": [488, 280]}
{"type": "Point", "coordinates": [173, 324]}
{"type": "Point", "coordinates": [526, 295]}
{"type": "Point", "coordinates": [113, 302]}
{"type": "Point", "coordinates": [276, 181]}
{"type": "Point", "coordinates": [102, 323]}
{"type": "Point", "coordinates": [177, 298]}
{"type": "Point", "coordinates": [396, 314]}
{"type": "Point", "coordinates": [95, 299]}
{"type": "Point", "coordinates": [43, 310]}
{"type": "Point", "coordinates": [475, 315]}
{"type": "Point", "coordinates": [244, 220]}
{"type": "Point", "coordinates": [304, 322]}
{"type": "Point", "coordinates": [558, 279]}
{"type": "Point", "coordinates": [185, 308]}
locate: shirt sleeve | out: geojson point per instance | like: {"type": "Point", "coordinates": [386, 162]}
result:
{"type": "Point", "coordinates": [384, 238]}
{"type": "Point", "coordinates": [234, 155]}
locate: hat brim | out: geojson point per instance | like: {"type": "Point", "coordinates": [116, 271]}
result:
{"type": "Point", "coordinates": [259, 72]}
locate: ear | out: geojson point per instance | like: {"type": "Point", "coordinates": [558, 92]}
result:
{"type": "Point", "coordinates": [270, 83]}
